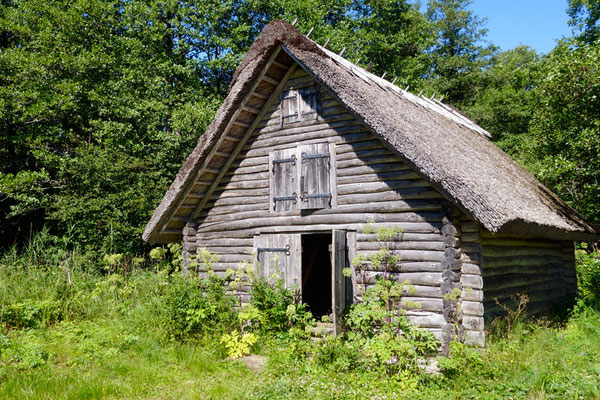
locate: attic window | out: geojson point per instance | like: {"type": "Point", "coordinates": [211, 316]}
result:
{"type": "Point", "coordinates": [300, 104]}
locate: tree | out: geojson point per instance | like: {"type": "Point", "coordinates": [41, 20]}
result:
{"type": "Point", "coordinates": [585, 17]}
{"type": "Point", "coordinates": [459, 55]}
{"type": "Point", "coordinates": [564, 149]}
{"type": "Point", "coordinates": [507, 97]}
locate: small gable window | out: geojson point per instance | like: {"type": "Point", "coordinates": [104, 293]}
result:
{"type": "Point", "coordinates": [302, 178]}
{"type": "Point", "coordinates": [300, 104]}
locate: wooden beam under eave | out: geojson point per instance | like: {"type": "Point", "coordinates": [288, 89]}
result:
{"type": "Point", "coordinates": [238, 148]}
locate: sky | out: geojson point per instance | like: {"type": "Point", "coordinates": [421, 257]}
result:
{"type": "Point", "coordinates": [536, 23]}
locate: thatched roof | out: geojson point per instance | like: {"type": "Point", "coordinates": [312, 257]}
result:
{"type": "Point", "coordinates": [450, 151]}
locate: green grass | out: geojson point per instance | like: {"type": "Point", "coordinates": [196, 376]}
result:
{"type": "Point", "coordinates": [104, 337]}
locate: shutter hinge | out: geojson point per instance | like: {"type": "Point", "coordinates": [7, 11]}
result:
{"type": "Point", "coordinates": [311, 156]}
{"type": "Point", "coordinates": [285, 249]}
{"type": "Point", "coordinates": [292, 160]}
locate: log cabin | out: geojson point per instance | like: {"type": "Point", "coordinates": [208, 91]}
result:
{"type": "Point", "coordinates": [307, 146]}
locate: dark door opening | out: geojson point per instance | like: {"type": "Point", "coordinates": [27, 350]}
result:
{"type": "Point", "coordinates": [316, 273]}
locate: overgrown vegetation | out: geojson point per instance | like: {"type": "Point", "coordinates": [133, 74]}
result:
{"type": "Point", "coordinates": [82, 325]}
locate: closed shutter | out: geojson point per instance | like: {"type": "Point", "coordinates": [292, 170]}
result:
{"type": "Point", "coordinates": [279, 254]}
{"type": "Point", "coordinates": [289, 107]}
{"type": "Point", "coordinates": [315, 176]}
{"type": "Point", "coordinates": [283, 172]}
{"type": "Point", "coordinates": [308, 103]}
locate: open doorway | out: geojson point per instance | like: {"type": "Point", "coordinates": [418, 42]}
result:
{"type": "Point", "coordinates": [317, 273]}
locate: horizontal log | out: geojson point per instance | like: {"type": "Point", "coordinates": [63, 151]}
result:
{"type": "Point", "coordinates": [489, 262]}
{"type": "Point", "coordinates": [315, 137]}
{"type": "Point", "coordinates": [374, 187]}
{"type": "Point", "coordinates": [426, 319]}
{"type": "Point", "coordinates": [230, 250]}
{"type": "Point", "coordinates": [290, 222]}
{"type": "Point", "coordinates": [298, 134]}
{"type": "Point", "coordinates": [409, 227]}
{"type": "Point", "coordinates": [470, 294]}
{"type": "Point", "coordinates": [252, 176]}
{"type": "Point", "coordinates": [409, 266]}
{"type": "Point", "coordinates": [420, 291]}
{"type": "Point", "coordinates": [421, 278]}
{"type": "Point", "coordinates": [363, 161]}
{"type": "Point", "coordinates": [371, 169]}
{"type": "Point", "coordinates": [405, 236]}
{"type": "Point", "coordinates": [473, 308]}
{"type": "Point", "coordinates": [253, 185]}
{"type": "Point", "coordinates": [413, 255]}
{"type": "Point", "coordinates": [220, 210]}
{"type": "Point", "coordinates": [331, 113]}
{"type": "Point", "coordinates": [470, 237]}
{"type": "Point", "coordinates": [400, 213]}
{"type": "Point", "coordinates": [250, 192]}
{"type": "Point", "coordinates": [469, 268]}
{"type": "Point", "coordinates": [380, 151]}
{"type": "Point", "coordinates": [420, 193]}
{"type": "Point", "coordinates": [471, 281]}
{"type": "Point", "coordinates": [494, 284]}
{"type": "Point", "coordinates": [359, 146]}
{"type": "Point", "coordinates": [495, 240]}
{"type": "Point", "coordinates": [248, 162]}
{"type": "Point", "coordinates": [502, 251]}
{"type": "Point", "coordinates": [383, 176]}
{"type": "Point", "coordinates": [551, 269]}
{"type": "Point", "coordinates": [226, 242]}
{"type": "Point", "coordinates": [469, 227]}
{"type": "Point", "coordinates": [259, 199]}
{"type": "Point", "coordinates": [470, 247]}
{"type": "Point", "coordinates": [401, 245]}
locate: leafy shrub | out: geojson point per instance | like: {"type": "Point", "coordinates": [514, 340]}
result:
{"type": "Point", "coordinates": [460, 358]}
{"type": "Point", "coordinates": [588, 277]}
{"type": "Point", "coordinates": [31, 314]}
{"type": "Point", "coordinates": [195, 306]}
{"type": "Point", "coordinates": [238, 345]}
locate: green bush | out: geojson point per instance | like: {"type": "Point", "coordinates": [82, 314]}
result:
{"type": "Point", "coordinates": [588, 277]}
{"type": "Point", "coordinates": [194, 307]}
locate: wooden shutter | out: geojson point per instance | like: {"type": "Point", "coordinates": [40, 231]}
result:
{"type": "Point", "coordinates": [315, 176]}
{"type": "Point", "coordinates": [280, 254]}
{"type": "Point", "coordinates": [338, 281]}
{"type": "Point", "coordinates": [308, 102]}
{"type": "Point", "coordinates": [289, 106]}
{"type": "Point", "coordinates": [283, 194]}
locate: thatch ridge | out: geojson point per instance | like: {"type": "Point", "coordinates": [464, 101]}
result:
{"type": "Point", "coordinates": [446, 148]}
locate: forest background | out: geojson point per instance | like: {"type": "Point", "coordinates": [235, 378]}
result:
{"type": "Point", "coordinates": [102, 100]}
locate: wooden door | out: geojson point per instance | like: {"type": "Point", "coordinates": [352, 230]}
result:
{"type": "Point", "coordinates": [279, 255]}
{"type": "Point", "coordinates": [338, 281]}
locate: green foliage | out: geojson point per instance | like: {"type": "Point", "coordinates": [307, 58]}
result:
{"type": "Point", "coordinates": [585, 17]}
{"type": "Point", "coordinates": [505, 102]}
{"type": "Point", "coordinates": [588, 277]}
{"type": "Point", "coordinates": [238, 345]}
{"type": "Point", "coordinates": [564, 149]}
{"type": "Point", "coordinates": [458, 56]}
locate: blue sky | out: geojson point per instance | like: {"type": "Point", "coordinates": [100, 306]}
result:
{"type": "Point", "coordinates": [536, 23]}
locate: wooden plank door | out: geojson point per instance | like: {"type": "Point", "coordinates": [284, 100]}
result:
{"type": "Point", "coordinates": [279, 254]}
{"type": "Point", "coordinates": [338, 281]}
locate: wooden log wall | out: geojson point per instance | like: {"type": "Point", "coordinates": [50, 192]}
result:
{"type": "Point", "coordinates": [471, 306]}
{"type": "Point", "coordinates": [372, 182]}
{"type": "Point", "coordinates": [542, 269]}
